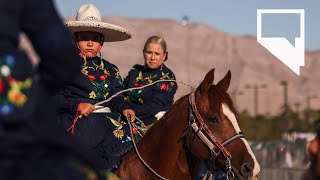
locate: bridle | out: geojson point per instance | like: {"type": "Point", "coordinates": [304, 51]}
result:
{"type": "Point", "coordinates": [212, 143]}
{"type": "Point", "coordinates": [209, 139]}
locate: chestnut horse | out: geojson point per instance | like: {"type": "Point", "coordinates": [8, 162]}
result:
{"type": "Point", "coordinates": [199, 127]}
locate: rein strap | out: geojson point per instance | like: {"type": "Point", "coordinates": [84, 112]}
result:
{"type": "Point", "coordinates": [205, 128]}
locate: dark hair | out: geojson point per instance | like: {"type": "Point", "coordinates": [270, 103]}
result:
{"type": "Point", "coordinates": [76, 34]}
{"type": "Point", "coordinates": [158, 40]}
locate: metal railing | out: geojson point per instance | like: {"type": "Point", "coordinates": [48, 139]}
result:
{"type": "Point", "coordinates": [281, 160]}
{"type": "Point", "coordinates": [280, 174]}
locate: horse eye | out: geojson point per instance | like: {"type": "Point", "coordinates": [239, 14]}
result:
{"type": "Point", "coordinates": [213, 119]}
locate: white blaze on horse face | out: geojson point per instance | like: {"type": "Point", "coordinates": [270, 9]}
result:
{"type": "Point", "coordinates": [236, 127]}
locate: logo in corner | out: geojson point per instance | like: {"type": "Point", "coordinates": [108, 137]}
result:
{"type": "Point", "coordinates": [291, 55]}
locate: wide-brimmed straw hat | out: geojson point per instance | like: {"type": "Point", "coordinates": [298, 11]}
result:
{"type": "Point", "coordinates": [89, 19]}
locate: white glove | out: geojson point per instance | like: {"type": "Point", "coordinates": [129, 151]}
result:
{"type": "Point", "coordinates": [159, 115]}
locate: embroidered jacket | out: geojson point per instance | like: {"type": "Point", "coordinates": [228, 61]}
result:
{"type": "Point", "coordinates": [97, 81]}
{"type": "Point", "coordinates": [105, 134]}
{"type": "Point", "coordinates": [155, 98]}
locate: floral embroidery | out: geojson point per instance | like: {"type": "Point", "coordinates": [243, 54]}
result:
{"type": "Point", "coordinates": [11, 90]}
{"type": "Point", "coordinates": [140, 100]}
{"type": "Point", "coordinates": [106, 95]}
{"type": "Point", "coordinates": [101, 84]}
{"type": "Point", "coordinates": [17, 98]}
{"type": "Point", "coordinates": [165, 76]}
{"type": "Point", "coordinates": [103, 77]}
{"type": "Point", "coordinates": [1, 86]}
{"type": "Point", "coordinates": [134, 131]}
{"type": "Point", "coordinates": [140, 81]}
{"type": "Point", "coordinates": [92, 95]}
{"type": "Point", "coordinates": [118, 123]}
{"type": "Point", "coordinates": [167, 86]}
{"type": "Point", "coordinates": [118, 77]}
{"type": "Point", "coordinates": [164, 87]}
{"type": "Point", "coordinates": [100, 89]}
{"type": "Point", "coordinates": [138, 129]}
{"type": "Point", "coordinates": [6, 109]}
{"type": "Point", "coordinates": [91, 77]}
{"type": "Point", "coordinates": [135, 95]}
{"type": "Point", "coordinates": [118, 133]}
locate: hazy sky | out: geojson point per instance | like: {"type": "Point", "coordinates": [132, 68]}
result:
{"type": "Point", "coordinates": [238, 17]}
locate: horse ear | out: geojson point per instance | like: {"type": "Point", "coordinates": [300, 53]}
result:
{"type": "Point", "coordinates": [224, 83]}
{"type": "Point", "coordinates": [207, 82]}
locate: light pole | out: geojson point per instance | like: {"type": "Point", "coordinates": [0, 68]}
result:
{"type": "Point", "coordinates": [297, 106]}
{"type": "Point", "coordinates": [285, 105]}
{"type": "Point", "coordinates": [234, 95]}
{"type": "Point", "coordinates": [308, 106]}
{"type": "Point", "coordinates": [256, 88]}
{"type": "Point", "coordinates": [186, 23]}
{"type": "Point", "coordinates": [285, 97]}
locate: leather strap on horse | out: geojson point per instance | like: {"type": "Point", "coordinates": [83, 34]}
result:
{"type": "Point", "coordinates": [205, 128]}
{"type": "Point", "coordinates": [233, 138]}
{"type": "Point", "coordinates": [138, 154]}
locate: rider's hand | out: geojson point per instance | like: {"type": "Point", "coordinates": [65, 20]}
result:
{"type": "Point", "coordinates": [85, 109]}
{"type": "Point", "coordinates": [129, 113]}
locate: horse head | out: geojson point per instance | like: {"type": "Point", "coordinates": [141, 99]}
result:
{"type": "Point", "coordinates": [216, 137]}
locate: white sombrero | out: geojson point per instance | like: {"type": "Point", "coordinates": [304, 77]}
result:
{"type": "Point", "coordinates": [89, 19]}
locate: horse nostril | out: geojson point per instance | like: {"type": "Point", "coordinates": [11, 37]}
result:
{"type": "Point", "coordinates": [246, 170]}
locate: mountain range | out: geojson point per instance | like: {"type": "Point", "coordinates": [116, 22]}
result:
{"type": "Point", "coordinates": [257, 83]}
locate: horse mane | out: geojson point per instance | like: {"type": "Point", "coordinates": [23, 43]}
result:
{"type": "Point", "coordinates": [163, 123]}
{"type": "Point", "coordinates": [222, 98]}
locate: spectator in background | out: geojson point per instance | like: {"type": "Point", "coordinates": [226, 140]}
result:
{"type": "Point", "coordinates": [313, 150]}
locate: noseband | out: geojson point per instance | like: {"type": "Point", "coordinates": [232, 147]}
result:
{"type": "Point", "coordinates": [208, 138]}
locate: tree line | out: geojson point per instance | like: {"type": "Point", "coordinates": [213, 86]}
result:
{"type": "Point", "coordinates": [264, 128]}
